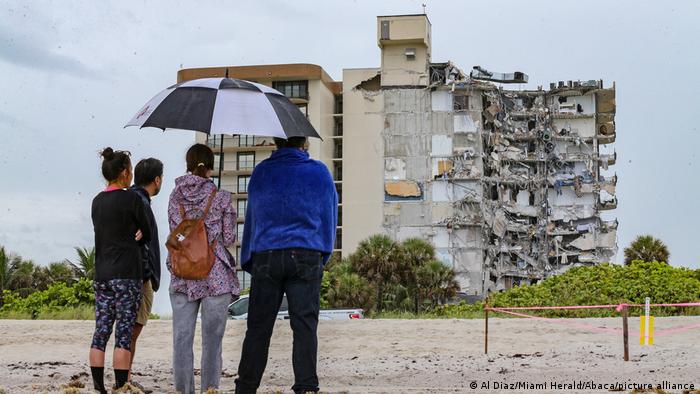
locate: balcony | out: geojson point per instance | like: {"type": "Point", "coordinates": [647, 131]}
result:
{"type": "Point", "coordinates": [234, 144]}
{"type": "Point", "coordinates": [608, 205]}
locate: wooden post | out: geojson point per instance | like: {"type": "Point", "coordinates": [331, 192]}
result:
{"type": "Point", "coordinates": [625, 332]}
{"type": "Point", "coordinates": [486, 328]}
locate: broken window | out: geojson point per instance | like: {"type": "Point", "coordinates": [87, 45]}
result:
{"type": "Point", "coordinates": [460, 103]}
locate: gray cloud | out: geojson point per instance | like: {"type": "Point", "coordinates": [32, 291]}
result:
{"type": "Point", "coordinates": [32, 52]}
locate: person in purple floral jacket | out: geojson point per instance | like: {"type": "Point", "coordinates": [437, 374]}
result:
{"type": "Point", "coordinates": [210, 296]}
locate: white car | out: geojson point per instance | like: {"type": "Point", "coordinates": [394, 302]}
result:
{"type": "Point", "coordinates": [238, 310]}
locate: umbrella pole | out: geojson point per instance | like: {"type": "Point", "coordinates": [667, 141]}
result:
{"type": "Point", "coordinates": [221, 150]}
{"type": "Point", "coordinates": [221, 161]}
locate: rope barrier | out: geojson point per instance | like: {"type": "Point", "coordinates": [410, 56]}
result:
{"type": "Point", "coordinates": [562, 322]}
{"type": "Point", "coordinates": [618, 307]}
{"type": "Point", "coordinates": [623, 308]}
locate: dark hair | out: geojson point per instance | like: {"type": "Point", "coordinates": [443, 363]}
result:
{"type": "Point", "coordinates": [291, 142]}
{"type": "Point", "coordinates": [199, 159]}
{"type": "Point", "coordinates": [147, 170]}
{"type": "Point", "coordinates": [114, 162]}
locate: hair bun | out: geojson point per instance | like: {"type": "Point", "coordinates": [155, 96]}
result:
{"type": "Point", "coordinates": [108, 153]}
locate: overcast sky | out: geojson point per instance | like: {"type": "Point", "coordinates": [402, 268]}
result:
{"type": "Point", "coordinates": [72, 75]}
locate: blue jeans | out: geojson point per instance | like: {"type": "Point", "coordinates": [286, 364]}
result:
{"type": "Point", "coordinates": [296, 272]}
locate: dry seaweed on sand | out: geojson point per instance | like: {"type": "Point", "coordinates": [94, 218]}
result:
{"type": "Point", "coordinates": [128, 389]}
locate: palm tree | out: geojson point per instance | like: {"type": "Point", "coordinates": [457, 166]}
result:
{"type": "Point", "coordinates": [85, 267]}
{"type": "Point", "coordinates": [22, 278]}
{"type": "Point", "coordinates": [381, 261]}
{"type": "Point", "coordinates": [646, 248]}
{"type": "Point", "coordinates": [436, 282]}
{"type": "Point", "coordinates": [61, 272]}
{"type": "Point", "coordinates": [347, 289]}
{"type": "Point", "coordinates": [418, 252]}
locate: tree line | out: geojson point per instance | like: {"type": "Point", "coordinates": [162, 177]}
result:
{"type": "Point", "coordinates": [25, 276]}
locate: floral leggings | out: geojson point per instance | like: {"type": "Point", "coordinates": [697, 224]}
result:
{"type": "Point", "coordinates": [116, 300]}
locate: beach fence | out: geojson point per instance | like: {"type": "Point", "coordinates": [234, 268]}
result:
{"type": "Point", "coordinates": [646, 335]}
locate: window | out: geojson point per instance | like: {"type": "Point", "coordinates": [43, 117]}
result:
{"type": "Point", "coordinates": [214, 141]}
{"type": "Point", "coordinates": [339, 190]}
{"type": "Point", "coordinates": [243, 183]}
{"type": "Point", "coordinates": [338, 170]}
{"type": "Point", "coordinates": [239, 307]}
{"type": "Point", "coordinates": [385, 30]}
{"type": "Point", "coordinates": [338, 239]}
{"type": "Point", "coordinates": [244, 282]}
{"type": "Point", "coordinates": [460, 103]}
{"type": "Point", "coordinates": [338, 131]}
{"type": "Point", "coordinates": [338, 152]}
{"type": "Point", "coordinates": [245, 160]}
{"type": "Point", "coordinates": [241, 206]}
{"type": "Point", "coordinates": [293, 89]}
{"type": "Point", "coordinates": [338, 104]}
{"type": "Point", "coordinates": [246, 140]}
{"type": "Point", "coordinates": [239, 231]}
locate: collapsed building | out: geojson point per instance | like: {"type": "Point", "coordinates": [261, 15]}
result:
{"type": "Point", "coordinates": [508, 185]}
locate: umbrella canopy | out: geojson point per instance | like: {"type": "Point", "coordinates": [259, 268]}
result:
{"type": "Point", "coordinates": [224, 106]}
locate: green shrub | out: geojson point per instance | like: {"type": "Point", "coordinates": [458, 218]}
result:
{"type": "Point", "coordinates": [609, 284]}
{"type": "Point", "coordinates": [57, 297]}
{"type": "Point", "coordinates": [604, 284]}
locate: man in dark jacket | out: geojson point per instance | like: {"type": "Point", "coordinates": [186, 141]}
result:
{"type": "Point", "coordinates": [148, 178]}
{"type": "Point", "coordinates": [287, 239]}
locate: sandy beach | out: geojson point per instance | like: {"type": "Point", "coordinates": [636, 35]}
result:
{"type": "Point", "coordinates": [382, 356]}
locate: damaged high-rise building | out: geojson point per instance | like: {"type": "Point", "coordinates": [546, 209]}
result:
{"type": "Point", "coordinates": [509, 185]}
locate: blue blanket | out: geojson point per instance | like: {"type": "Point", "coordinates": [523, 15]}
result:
{"type": "Point", "coordinates": [292, 203]}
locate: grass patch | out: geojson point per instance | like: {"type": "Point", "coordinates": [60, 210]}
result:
{"type": "Point", "coordinates": [15, 315]}
{"type": "Point", "coordinates": [460, 311]}
{"type": "Point", "coordinates": [83, 312]}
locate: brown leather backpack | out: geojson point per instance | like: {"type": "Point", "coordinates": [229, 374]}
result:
{"type": "Point", "coordinates": [191, 256]}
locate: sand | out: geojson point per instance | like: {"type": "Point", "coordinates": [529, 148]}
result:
{"type": "Point", "coordinates": [381, 356]}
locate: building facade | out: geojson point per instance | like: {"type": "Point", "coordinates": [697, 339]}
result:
{"type": "Point", "coordinates": [509, 185]}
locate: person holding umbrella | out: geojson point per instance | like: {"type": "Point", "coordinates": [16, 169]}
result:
{"type": "Point", "coordinates": [195, 197]}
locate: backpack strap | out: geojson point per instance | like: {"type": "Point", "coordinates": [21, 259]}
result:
{"type": "Point", "coordinates": [211, 200]}
{"type": "Point", "coordinates": [206, 210]}
{"type": "Point", "coordinates": [182, 212]}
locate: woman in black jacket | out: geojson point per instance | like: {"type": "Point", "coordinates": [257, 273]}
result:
{"type": "Point", "coordinates": [117, 214]}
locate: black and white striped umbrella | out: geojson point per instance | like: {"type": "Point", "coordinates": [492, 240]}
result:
{"type": "Point", "coordinates": [224, 106]}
